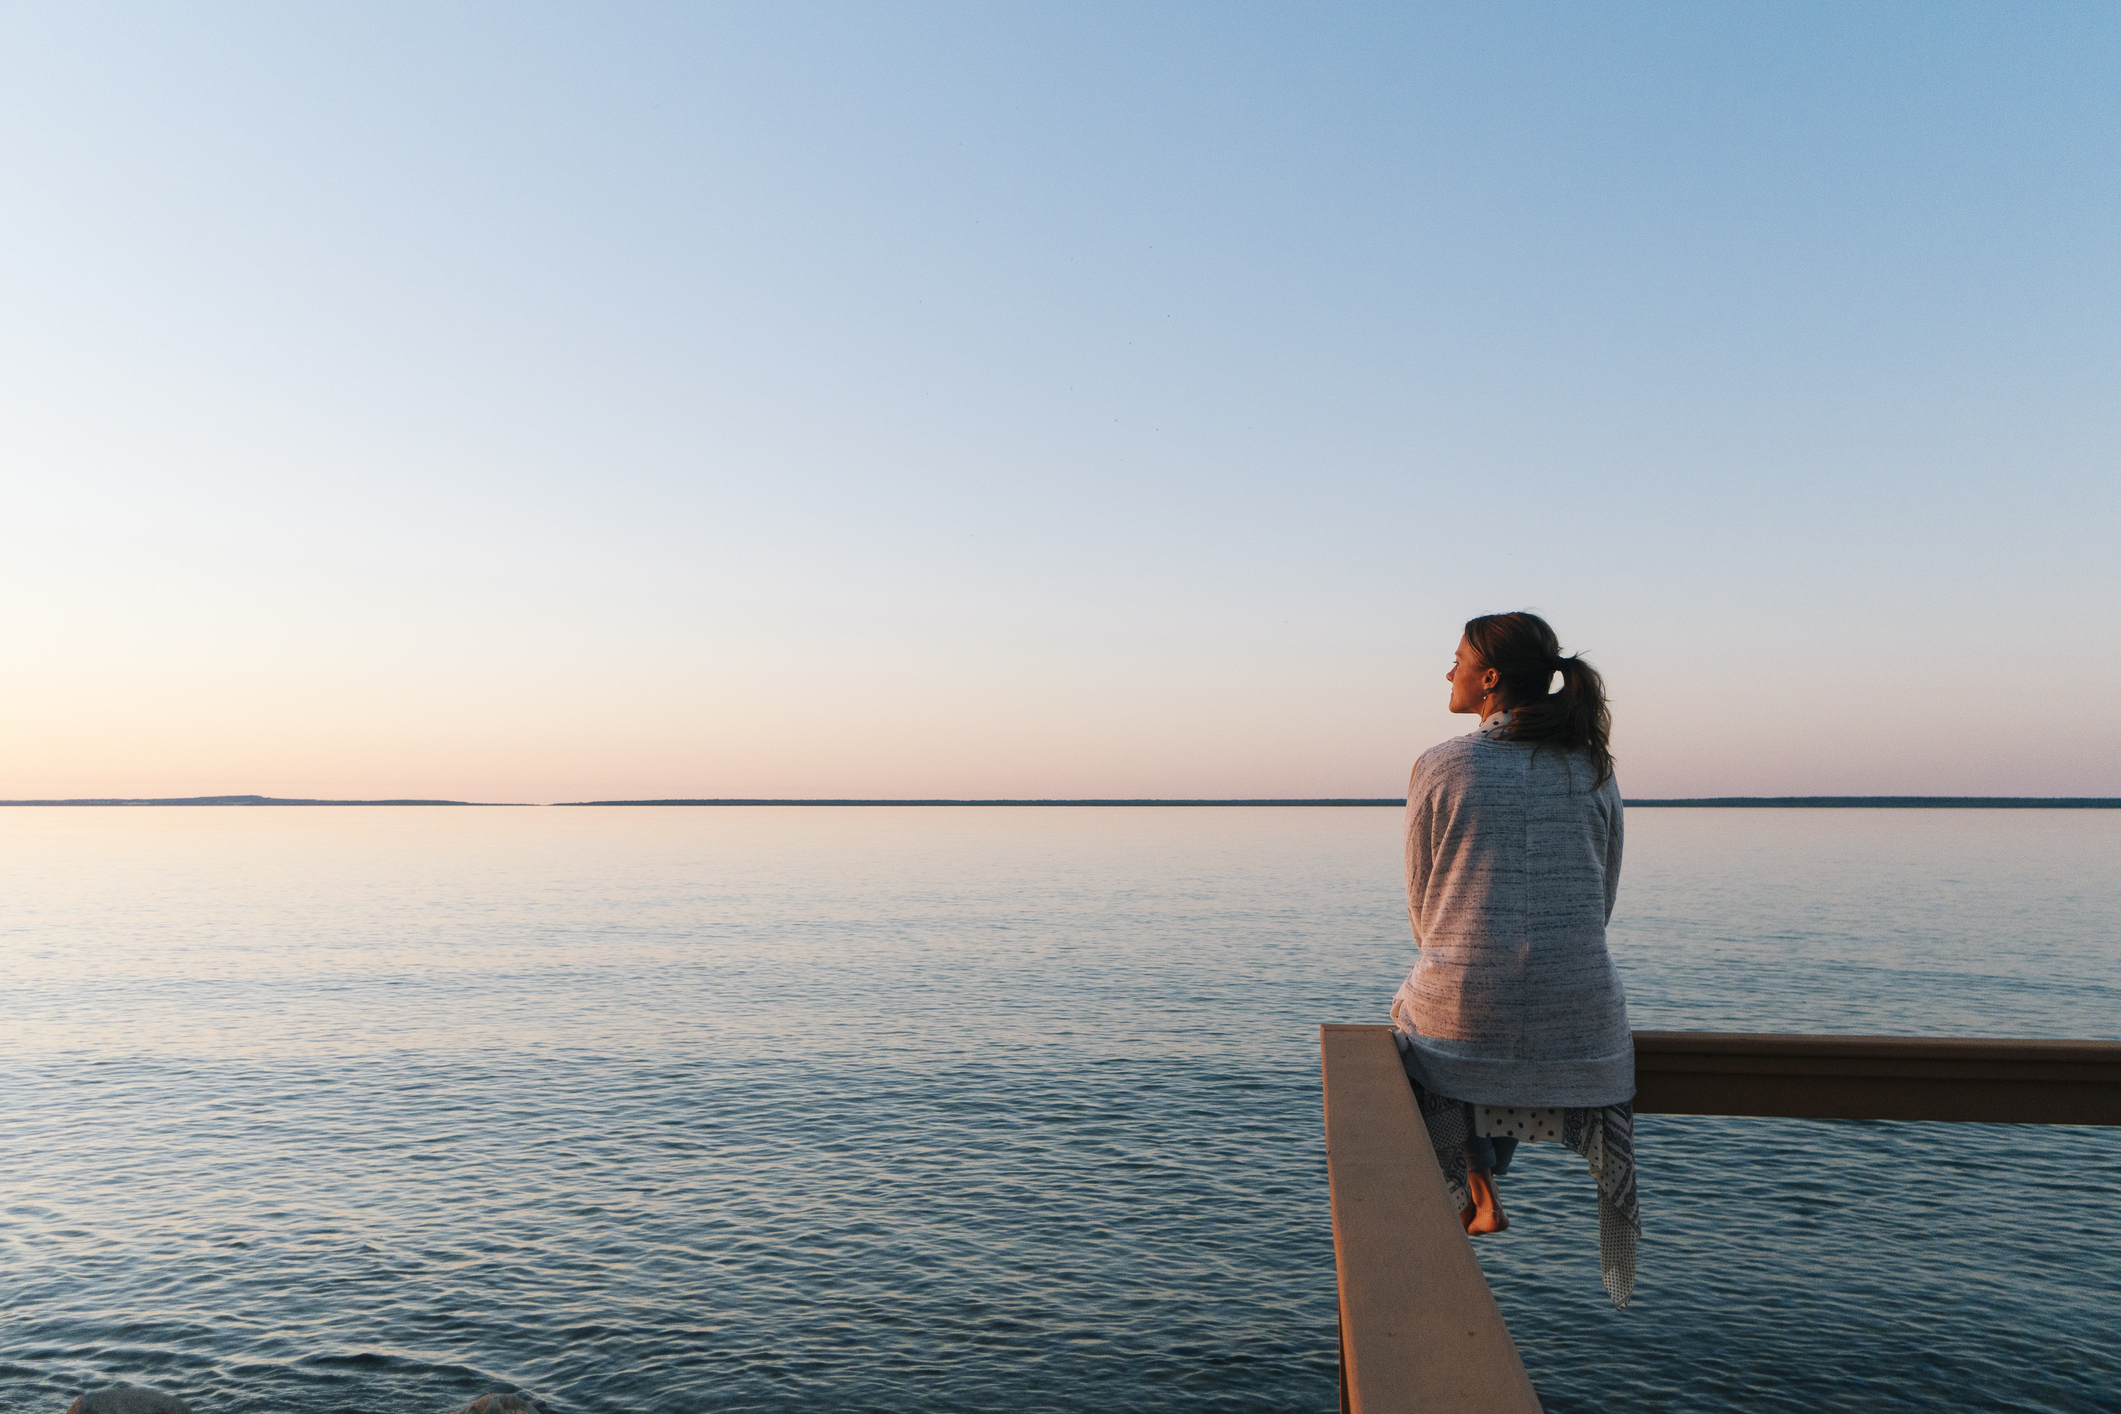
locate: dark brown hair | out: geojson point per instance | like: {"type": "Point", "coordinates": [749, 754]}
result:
{"type": "Point", "coordinates": [1525, 654]}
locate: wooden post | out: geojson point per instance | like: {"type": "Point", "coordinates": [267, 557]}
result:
{"type": "Point", "coordinates": [1420, 1330]}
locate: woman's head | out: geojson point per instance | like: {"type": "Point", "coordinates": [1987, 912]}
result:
{"type": "Point", "coordinates": [1473, 682]}
{"type": "Point", "coordinates": [1508, 661]}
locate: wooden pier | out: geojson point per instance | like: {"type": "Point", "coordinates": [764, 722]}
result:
{"type": "Point", "coordinates": [1420, 1332]}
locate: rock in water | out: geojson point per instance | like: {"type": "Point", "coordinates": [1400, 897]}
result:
{"type": "Point", "coordinates": [128, 1399]}
{"type": "Point", "coordinates": [500, 1404]}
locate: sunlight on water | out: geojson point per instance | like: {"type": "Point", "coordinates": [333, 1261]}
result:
{"type": "Point", "coordinates": [964, 1109]}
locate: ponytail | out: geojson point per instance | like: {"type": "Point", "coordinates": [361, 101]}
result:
{"type": "Point", "coordinates": [1525, 653]}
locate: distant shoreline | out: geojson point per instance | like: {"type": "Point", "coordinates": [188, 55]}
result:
{"type": "Point", "coordinates": [1893, 802]}
{"type": "Point", "coordinates": [1881, 802]}
{"type": "Point", "coordinates": [1717, 802]}
{"type": "Point", "coordinates": [240, 800]}
{"type": "Point", "coordinates": [1327, 801]}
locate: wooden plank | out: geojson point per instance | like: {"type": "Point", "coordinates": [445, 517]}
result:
{"type": "Point", "coordinates": [1420, 1331]}
{"type": "Point", "coordinates": [1878, 1077]}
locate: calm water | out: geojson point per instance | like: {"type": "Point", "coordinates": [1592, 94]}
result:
{"type": "Point", "coordinates": [778, 1109]}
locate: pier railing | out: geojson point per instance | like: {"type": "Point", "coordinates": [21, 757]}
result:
{"type": "Point", "coordinates": [1419, 1329]}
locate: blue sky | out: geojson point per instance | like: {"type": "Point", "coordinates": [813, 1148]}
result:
{"type": "Point", "coordinates": [540, 403]}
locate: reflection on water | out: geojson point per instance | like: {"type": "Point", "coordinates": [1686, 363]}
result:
{"type": "Point", "coordinates": [938, 1109]}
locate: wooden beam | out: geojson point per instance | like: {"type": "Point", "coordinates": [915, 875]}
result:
{"type": "Point", "coordinates": [1420, 1330]}
{"type": "Point", "coordinates": [1877, 1077]}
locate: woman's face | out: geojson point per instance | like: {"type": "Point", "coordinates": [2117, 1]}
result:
{"type": "Point", "coordinates": [1470, 679]}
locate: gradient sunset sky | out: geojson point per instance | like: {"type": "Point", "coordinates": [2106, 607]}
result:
{"type": "Point", "coordinates": [554, 402]}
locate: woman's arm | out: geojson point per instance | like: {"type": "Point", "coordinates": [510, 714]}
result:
{"type": "Point", "coordinates": [1614, 831]}
{"type": "Point", "coordinates": [1419, 856]}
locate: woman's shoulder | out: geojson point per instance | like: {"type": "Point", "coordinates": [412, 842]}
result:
{"type": "Point", "coordinates": [1458, 748]}
{"type": "Point", "coordinates": [1447, 761]}
{"type": "Point", "coordinates": [1569, 773]}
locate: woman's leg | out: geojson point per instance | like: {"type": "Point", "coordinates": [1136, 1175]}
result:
{"type": "Point", "coordinates": [1485, 1212]}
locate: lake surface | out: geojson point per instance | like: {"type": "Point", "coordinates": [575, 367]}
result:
{"type": "Point", "coordinates": [952, 1109]}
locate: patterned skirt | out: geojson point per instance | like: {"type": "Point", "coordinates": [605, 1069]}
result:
{"type": "Point", "coordinates": [1604, 1136]}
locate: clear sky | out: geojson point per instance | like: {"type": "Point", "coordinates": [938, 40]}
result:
{"type": "Point", "coordinates": [539, 403]}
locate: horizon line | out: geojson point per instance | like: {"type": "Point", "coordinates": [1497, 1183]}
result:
{"type": "Point", "coordinates": [1813, 802]}
{"type": "Point", "coordinates": [1973, 802]}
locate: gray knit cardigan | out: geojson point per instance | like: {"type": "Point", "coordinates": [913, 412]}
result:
{"type": "Point", "coordinates": [1513, 864]}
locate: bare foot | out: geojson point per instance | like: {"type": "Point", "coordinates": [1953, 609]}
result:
{"type": "Point", "coordinates": [1486, 1214]}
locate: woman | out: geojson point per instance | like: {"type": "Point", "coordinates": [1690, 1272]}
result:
{"type": "Point", "coordinates": [1512, 1024]}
